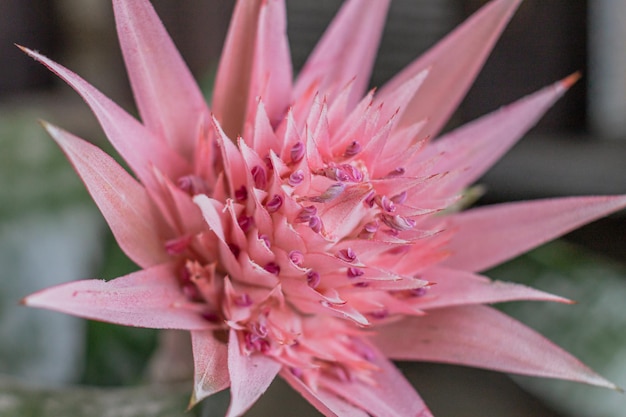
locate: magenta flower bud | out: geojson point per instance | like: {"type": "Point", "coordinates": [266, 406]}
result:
{"type": "Point", "coordinates": [313, 279]}
{"type": "Point", "coordinates": [352, 149]}
{"type": "Point", "coordinates": [259, 176]}
{"type": "Point", "coordinates": [241, 194]}
{"type": "Point", "coordinates": [296, 178]}
{"type": "Point", "coordinates": [296, 257]}
{"type": "Point", "coordinates": [297, 152]}
{"type": "Point", "coordinates": [347, 255]}
{"type": "Point", "coordinates": [274, 203]}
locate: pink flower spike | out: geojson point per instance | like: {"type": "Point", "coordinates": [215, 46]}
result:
{"type": "Point", "coordinates": [507, 230]}
{"type": "Point", "coordinates": [169, 100]}
{"type": "Point", "coordinates": [122, 201]}
{"type": "Point", "coordinates": [234, 75]}
{"type": "Point", "coordinates": [454, 63]}
{"type": "Point", "coordinates": [472, 336]}
{"type": "Point", "coordinates": [155, 290]}
{"type": "Point", "coordinates": [250, 375]}
{"type": "Point", "coordinates": [210, 365]}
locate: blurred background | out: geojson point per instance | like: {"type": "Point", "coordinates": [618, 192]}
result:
{"type": "Point", "coordinates": [51, 232]}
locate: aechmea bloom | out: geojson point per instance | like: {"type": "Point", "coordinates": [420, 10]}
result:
{"type": "Point", "coordinates": [307, 228]}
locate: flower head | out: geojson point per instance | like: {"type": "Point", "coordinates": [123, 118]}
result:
{"type": "Point", "coordinates": [307, 229]}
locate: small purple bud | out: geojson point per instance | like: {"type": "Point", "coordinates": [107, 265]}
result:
{"type": "Point", "coordinates": [380, 314]}
{"type": "Point", "coordinates": [192, 184]}
{"type": "Point", "coordinates": [274, 203]}
{"type": "Point", "coordinates": [296, 178]}
{"type": "Point", "coordinates": [306, 213]}
{"type": "Point", "coordinates": [386, 204]}
{"type": "Point", "coordinates": [272, 268]}
{"type": "Point", "coordinates": [396, 172]}
{"type": "Point", "coordinates": [354, 272]}
{"type": "Point", "coordinates": [347, 255]}
{"type": "Point", "coordinates": [352, 149]}
{"type": "Point", "coordinates": [315, 223]}
{"type": "Point", "coordinates": [399, 198]}
{"type": "Point", "coordinates": [313, 279]}
{"type": "Point", "coordinates": [296, 257]}
{"type": "Point", "coordinates": [245, 222]}
{"type": "Point", "coordinates": [259, 176]}
{"type": "Point", "coordinates": [361, 284]}
{"type": "Point", "coordinates": [241, 194]}
{"type": "Point", "coordinates": [297, 152]}
{"type": "Point", "coordinates": [418, 292]}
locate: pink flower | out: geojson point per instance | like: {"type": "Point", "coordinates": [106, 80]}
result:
{"type": "Point", "coordinates": [305, 229]}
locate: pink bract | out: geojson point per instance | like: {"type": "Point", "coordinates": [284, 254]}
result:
{"type": "Point", "coordinates": [305, 228]}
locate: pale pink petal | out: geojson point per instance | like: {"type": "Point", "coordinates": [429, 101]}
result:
{"type": "Point", "coordinates": [139, 148]}
{"type": "Point", "coordinates": [452, 288]}
{"type": "Point", "coordinates": [250, 376]}
{"type": "Point", "coordinates": [147, 298]}
{"type": "Point", "coordinates": [346, 51]}
{"type": "Point", "coordinates": [234, 74]}
{"type": "Point", "coordinates": [169, 100]}
{"type": "Point", "coordinates": [391, 395]}
{"type": "Point", "coordinates": [475, 147]}
{"type": "Point", "coordinates": [210, 357]}
{"type": "Point", "coordinates": [326, 403]}
{"type": "Point", "coordinates": [272, 66]}
{"type": "Point", "coordinates": [482, 337]}
{"type": "Point", "coordinates": [121, 199]}
{"type": "Point", "coordinates": [487, 236]}
{"type": "Point", "coordinates": [454, 63]}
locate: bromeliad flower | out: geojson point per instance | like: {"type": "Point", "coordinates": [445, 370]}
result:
{"type": "Point", "coordinates": [307, 229]}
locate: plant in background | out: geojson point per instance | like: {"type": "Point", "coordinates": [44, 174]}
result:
{"type": "Point", "coordinates": [306, 228]}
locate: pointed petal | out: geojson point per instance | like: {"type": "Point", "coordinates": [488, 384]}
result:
{"type": "Point", "coordinates": [169, 100]}
{"type": "Point", "coordinates": [250, 376]}
{"type": "Point", "coordinates": [454, 288]}
{"type": "Point", "coordinates": [475, 147]}
{"type": "Point", "coordinates": [482, 337]}
{"type": "Point", "coordinates": [326, 403]}
{"type": "Point", "coordinates": [454, 62]}
{"type": "Point", "coordinates": [234, 74]}
{"type": "Point", "coordinates": [147, 298]}
{"type": "Point", "coordinates": [487, 236]}
{"type": "Point", "coordinates": [272, 67]}
{"type": "Point", "coordinates": [139, 148]}
{"type": "Point", "coordinates": [210, 358]}
{"type": "Point", "coordinates": [390, 396]}
{"type": "Point", "coordinates": [346, 51]}
{"type": "Point", "coordinates": [122, 200]}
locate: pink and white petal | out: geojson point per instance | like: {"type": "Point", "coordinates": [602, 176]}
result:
{"type": "Point", "coordinates": [121, 199]}
{"type": "Point", "coordinates": [487, 236]}
{"type": "Point", "coordinates": [147, 298]}
{"type": "Point", "coordinates": [137, 145]}
{"type": "Point", "coordinates": [390, 394]}
{"type": "Point", "coordinates": [210, 357]}
{"type": "Point", "coordinates": [475, 147]}
{"type": "Point", "coordinates": [272, 75]}
{"type": "Point", "coordinates": [454, 61]}
{"type": "Point", "coordinates": [234, 74]}
{"type": "Point", "coordinates": [250, 376]}
{"type": "Point", "coordinates": [346, 52]}
{"type": "Point", "coordinates": [452, 288]}
{"type": "Point", "coordinates": [326, 403]}
{"type": "Point", "coordinates": [169, 100]}
{"type": "Point", "coordinates": [483, 337]}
